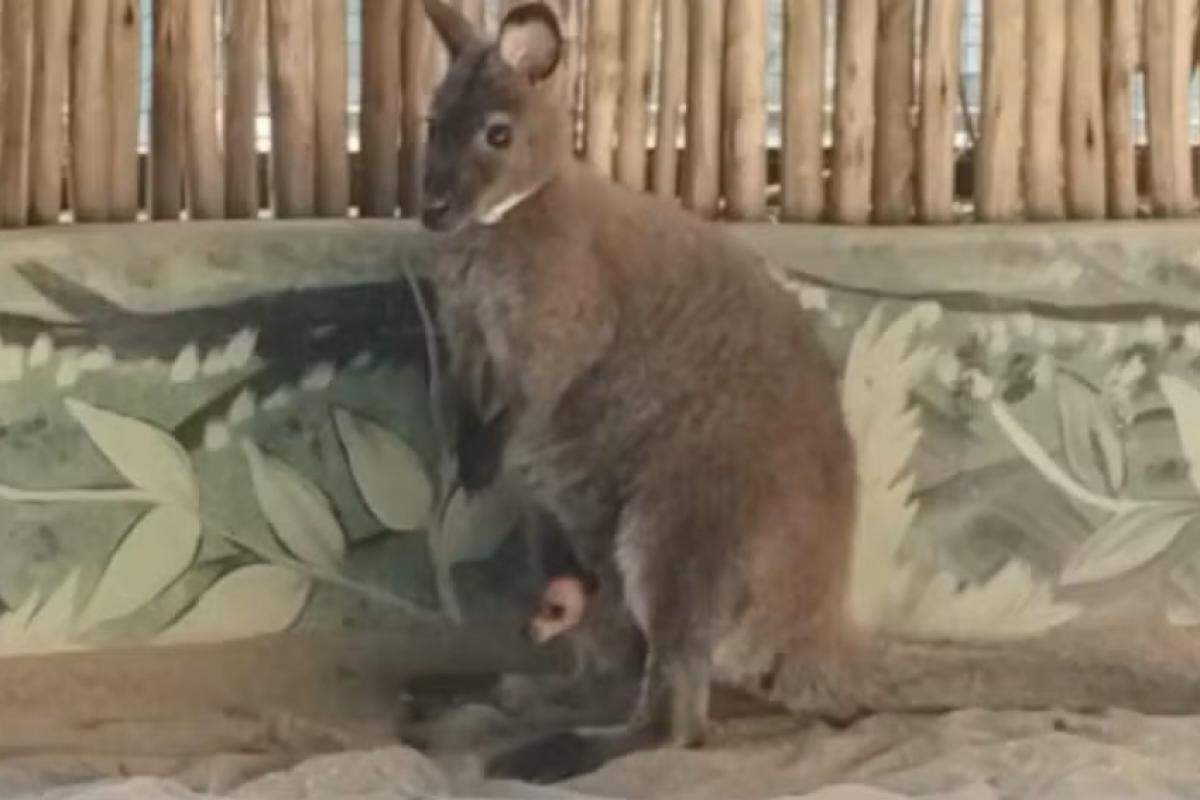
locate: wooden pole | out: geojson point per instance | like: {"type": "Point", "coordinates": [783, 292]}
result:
{"type": "Point", "coordinates": [333, 158]}
{"type": "Point", "coordinates": [854, 112]}
{"type": "Point", "coordinates": [51, 56]}
{"type": "Point", "coordinates": [671, 98]}
{"type": "Point", "coordinates": [803, 170]}
{"type": "Point", "coordinates": [997, 164]}
{"type": "Point", "coordinates": [895, 139]}
{"type": "Point", "coordinates": [416, 44]}
{"type": "Point", "coordinates": [744, 166]}
{"type": "Point", "coordinates": [1085, 111]}
{"type": "Point", "coordinates": [1119, 66]}
{"type": "Point", "coordinates": [167, 120]}
{"type": "Point", "coordinates": [940, 75]}
{"type": "Point", "coordinates": [1170, 26]}
{"type": "Point", "coordinates": [91, 149]}
{"type": "Point", "coordinates": [1046, 48]}
{"type": "Point", "coordinates": [572, 25]}
{"type": "Point", "coordinates": [380, 117]}
{"type": "Point", "coordinates": [243, 51]}
{"type": "Point", "coordinates": [293, 111]}
{"type": "Point", "coordinates": [125, 74]}
{"type": "Point", "coordinates": [638, 24]}
{"type": "Point", "coordinates": [702, 175]}
{"type": "Point", "coordinates": [603, 83]}
{"type": "Point", "coordinates": [16, 77]}
{"type": "Point", "coordinates": [205, 167]}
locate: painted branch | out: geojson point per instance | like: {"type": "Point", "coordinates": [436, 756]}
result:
{"type": "Point", "coordinates": [91, 150]}
{"type": "Point", "coordinates": [51, 57]}
{"type": "Point", "coordinates": [16, 77]}
{"type": "Point", "coordinates": [997, 165]}
{"type": "Point", "coordinates": [205, 167]}
{"type": "Point", "coordinates": [1046, 48]}
{"type": "Point", "coordinates": [672, 96]}
{"type": "Point", "coordinates": [416, 44]}
{"type": "Point", "coordinates": [854, 112]}
{"type": "Point", "coordinates": [167, 123]}
{"type": "Point", "coordinates": [125, 76]}
{"type": "Point", "coordinates": [895, 139]}
{"type": "Point", "coordinates": [744, 173]}
{"type": "Point", "coordinates": [380, 117]}
{"type": "Point", "coordinates": [1085, 111]}
{"type": "Point", "coordinates": [1170, 26]}
{"type": "Point", "coordinates": [293, 111]}
{"type": "Point", "coordinates": [333, 158]}
{"type": "Point", "coordinates": [803, 169]}
{"type": "Point", "coordinates": [603, 83]}
{"type": "Point", "coordinates": [702, 175]}
{"type": "Point", "coordinates": [246, 24]}
{"type": "Point", "coordinates": [940, 75]}
{"type": "Point", "coordinates": [638, 27]}
{"type": "Point", "coordinates": [1119, 66]}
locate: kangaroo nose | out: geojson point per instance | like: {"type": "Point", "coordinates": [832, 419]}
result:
{"type": "Point", "coordinates": [435, 212]}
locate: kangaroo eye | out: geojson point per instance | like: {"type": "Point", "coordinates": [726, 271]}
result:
{"type": "Point", "coordinates": [556, 611]}
{"type": "Point", "coordinates": [498, 135]}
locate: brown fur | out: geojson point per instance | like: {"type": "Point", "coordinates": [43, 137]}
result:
{"type": "Point", "coordinates": [664, 400]}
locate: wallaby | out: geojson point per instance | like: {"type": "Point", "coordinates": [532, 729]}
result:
{"type": "Point", "coordinates": [663, 398]}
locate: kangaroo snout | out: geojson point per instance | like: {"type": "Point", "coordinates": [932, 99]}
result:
{"type": "Point", "coordinates": [435, 214]}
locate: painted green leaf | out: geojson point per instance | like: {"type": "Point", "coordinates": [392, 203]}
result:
{"type": "Point", "coordinates": [473, 528]}
{"type": "Point", "coordinates": [1127, 541]}
{"type": "Point", "coordinates": [1185, 403]}
{"type": "Point", "coordinates": [250, 601]}
{"type": "Point", "coordinates": [299, 512]}
{"type": "Point", "coordinates": [389, 474]}
{"type": "Point", "coordinates": [1094, 450]}
{"type": "Point", "coordinates": [153, 554]}
{"type": "Point", "coordinates": [148, 457]}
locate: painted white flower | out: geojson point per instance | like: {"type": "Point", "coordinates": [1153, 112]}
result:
{"type": "Point", "coordinates": [982, 387]}
{"type": "Point", "coordinates": [97, 359]}
{"type": "Point", "coordinates": [241, 348]}
{"type": "Point", "coordinates": [1000, 342]}
{"type": "Point", "coordinates": [928, 313]}
{"type": "Point", "coordinates": [1109, 338]}
{"type": "Point", "coordinates": [1047, 335]}
{"type": "Point", "coordinates": [187, 364]}
{"type": "Point", "coordinates": [68, 370]}
{"type": "Point", "coordinates": [1191, 336]}
{"type": "Point", "coordinates": [948, 370]}
{"type": "Point", "coordinates": [242, 407]}
{"type": "Point", "coordinates": [1024, 324]}
{"type": "Point", "coordinates": [216, 436]}
{"type": "Point", "coordinates": [815, 298]}
{"type": "Point", "coordinates": [1154, 331]}
{"type": "Point", "coordinates": [1043, 371]}
{"type": "Point", "coordinates": [41, 351]}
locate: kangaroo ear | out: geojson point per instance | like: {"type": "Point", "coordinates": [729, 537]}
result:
{"type": "Point", "coordinates": [531, 40]}
{"type": "Point", "coordinates": [454, 29]}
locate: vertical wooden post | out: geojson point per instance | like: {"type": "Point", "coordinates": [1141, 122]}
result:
{"type": "Point", "coordinates": [51, 56]}
{"type": "Point", "coordinates": [744, 166]}
{"type": "Point", "coordinates": [638, 25]}
{"type": "Point", "coordinates": [243, 49]}
{"type": "Point", "coordinates": [603, 83]}
{"type": "Point", "coordinates": [167, 120]}
{"type": "Point", "coordinates": [1085, 111]}
{"type": "Point", "coordinates": [416, 44]}
{"type": "Point", "coordinates": [91, 150]}
{"type": "Point", "coordinates": [702, 176]}
{"type": "Point", "coordinates": [940, 75]}
{"type": "Point", "coordinates": [1170, 26]}
{"type": "Point", "coordinates": [16, 78]}
{"type": "Point", "coordinates": [333, 158]}
{"type": "Point", "coordinates": [1119, 65]}
{"type": "Point", "coordinates": [380, 116]}
{"type": "Point", "coordinates": [854, 111]}
{"type": "Point", "coordinates": [1046, 47]}
{"type": "Point", "coordinates": [997, 164]}
{"type": "Point", "coordinates": [205, 167]}
{"type": "Point", "coordinates": [803, 168]}
{"type": "Point", "coordinates": [671, 97]}
{"type": "Point", "coordinates": [125, 74]}
{"type": "Point", "coordinates": [895, 139]}
{"type": "Point", "coordinates": [572, 25]}
{"type": "Point", "coordinates": [293, 112]}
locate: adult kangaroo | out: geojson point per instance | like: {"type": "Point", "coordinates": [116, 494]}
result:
{"type": "Point", "coordinates": [663, 398]}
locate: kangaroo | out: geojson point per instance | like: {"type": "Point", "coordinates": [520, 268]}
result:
{"type": "Point", "coordinates": [661, 396]}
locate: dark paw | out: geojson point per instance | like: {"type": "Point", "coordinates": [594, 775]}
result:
{"type": "Point", "coordinates": [550, 759]}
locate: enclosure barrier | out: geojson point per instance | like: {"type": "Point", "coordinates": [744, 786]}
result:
{"type": "Point", "coordinates": [671, 96]}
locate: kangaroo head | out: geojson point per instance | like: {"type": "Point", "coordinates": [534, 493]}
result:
{"type": "Point", "coordinates": [498, 128]}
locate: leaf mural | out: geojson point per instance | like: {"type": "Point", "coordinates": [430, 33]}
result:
{"type": "Point", "coordinates": [1094, 450]}
{"type": "Point", "coordinates": [256, 600]}
{"type": "Point", "coordinates": [389, 474]}
{"type": "Point", "coordinates": [1129, 540]}
{"type": "Point", "coordinates": [42, 626]}
{"type": "Point", "coordinates": [148, 457]}
{"type": "Point", "coordinates": [299, 512]}
{"type": "Point", "coordinates": [473, 527]}
{"type": "Point", "coordinates": [153, 554]}
{"type": "Point", "coordinates": [1185, 403]}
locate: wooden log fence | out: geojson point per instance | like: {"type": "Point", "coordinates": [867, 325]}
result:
{"type": "Point", "coordinates": [862, 113]}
